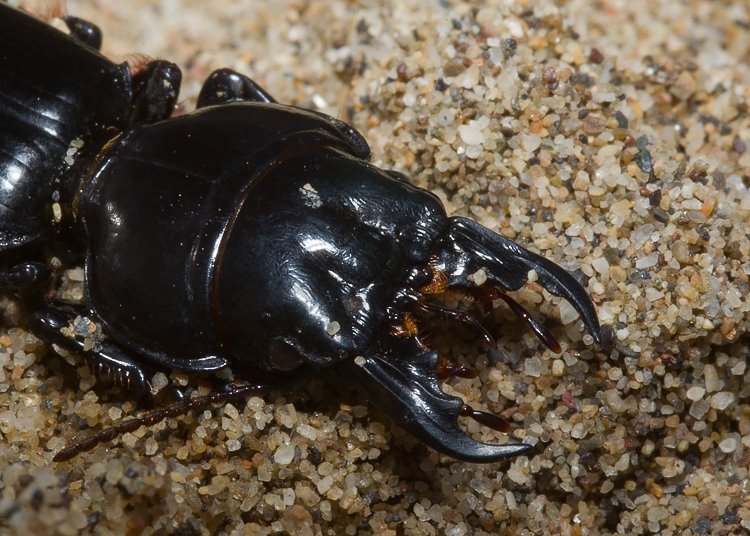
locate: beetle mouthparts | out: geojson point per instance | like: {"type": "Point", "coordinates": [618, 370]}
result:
{"type": "Point", "coordinates": [468, 248]}
{"type": "Point", "coordinates": [401, 378]}
{"type": "Point", "coordinates": [407, 390]}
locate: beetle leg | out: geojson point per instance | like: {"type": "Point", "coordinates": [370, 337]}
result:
{"type": "Point", "coordinates": [156, 87]}
{"type": "Point", "coordinates": [25, 276]}
{"type": "Point", "coordinates": [225, 85]}
{"type": "Point", "coordinates": [468, 249]}
{"type": "Point", "coordinates": [402, 383]}
{"type": "Point", "coordinates": [353, 136]}
{"type": "Point", "coordinates": [86, 32]}
{"type": "Point", "coordinates": [124, 369]}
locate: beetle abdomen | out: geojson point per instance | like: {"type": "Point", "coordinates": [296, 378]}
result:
{"type": "Point", "coordinates": [56, 94]}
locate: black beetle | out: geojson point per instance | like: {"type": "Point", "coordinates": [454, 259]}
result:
{"type": "Point", "coordinates": [246, 234]}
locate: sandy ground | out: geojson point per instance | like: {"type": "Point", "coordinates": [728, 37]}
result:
{"type": "Point", "coordinates": [609, 136]}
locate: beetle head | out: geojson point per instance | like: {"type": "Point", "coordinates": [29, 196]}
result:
{"type": "Point", "coordinates": [316, 255]}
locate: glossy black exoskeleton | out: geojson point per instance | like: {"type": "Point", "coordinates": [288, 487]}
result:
{"type": "Point", "coordinates": [246, 234]}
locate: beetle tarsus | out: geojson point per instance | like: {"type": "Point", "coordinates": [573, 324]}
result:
{"type": "Point", "coordinates": [25, 276]}
{"type": "Point", "coordinates": [225, 85]}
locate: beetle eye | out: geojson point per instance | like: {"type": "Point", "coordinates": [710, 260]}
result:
{"type": "Point", "coordinates": [283, 357]}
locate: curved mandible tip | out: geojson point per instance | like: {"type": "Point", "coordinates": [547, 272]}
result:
{"type": "Point", "coordinates": [407, 391]}
{"type": "Point", "coordinates": [472, 247]}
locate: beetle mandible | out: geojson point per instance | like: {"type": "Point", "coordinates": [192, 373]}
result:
{"type": "Point", "coordinates": [246, 234]}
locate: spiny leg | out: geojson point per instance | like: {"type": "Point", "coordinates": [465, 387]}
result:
{"type": "Point", "coordinates": [53, 322]}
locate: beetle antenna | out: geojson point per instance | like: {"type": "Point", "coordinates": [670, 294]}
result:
{"type": "Point", "coordinates": [156, 416]}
